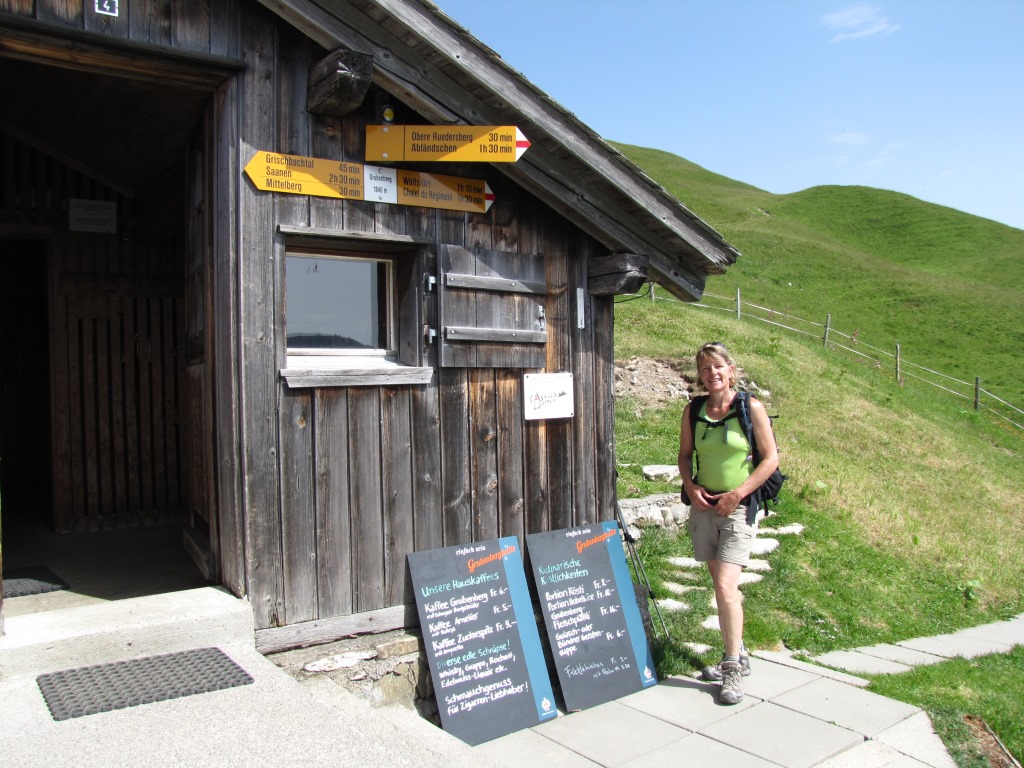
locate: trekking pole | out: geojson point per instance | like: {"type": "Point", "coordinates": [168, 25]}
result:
{"type": "Point", "coordinates": [638, 567]}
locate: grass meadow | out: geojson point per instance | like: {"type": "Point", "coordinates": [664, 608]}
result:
{"type": "Point", "coordinates": [912, 502]}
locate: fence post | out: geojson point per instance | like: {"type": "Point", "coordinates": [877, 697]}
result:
{"type": "Point", "coordinates": [828, 327]}
{"type": "Point", "coordinates": [739, 312]}
{"type": "Point", "coordinates": [897, 363]}
{"type": "Point", "coordinates": [977, 393]}
{"type": "Point", "coordinates": [651, 291]}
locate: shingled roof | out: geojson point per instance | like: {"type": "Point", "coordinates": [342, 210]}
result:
{"type": "Point", "coordinates": [437, 67]}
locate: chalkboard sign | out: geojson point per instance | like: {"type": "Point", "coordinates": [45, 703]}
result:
{"type": "Point", "coordinates": [481, 639]}
{"type": "Point", "coordinates": [594, 626]}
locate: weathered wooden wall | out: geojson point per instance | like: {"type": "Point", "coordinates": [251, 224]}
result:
{"type": "Point", "coordinates": [339, 484]}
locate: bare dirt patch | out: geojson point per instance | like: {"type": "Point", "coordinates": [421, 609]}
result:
{"type": "Point", "coordinates": [655, 383]}
{"type": "Point", "coordinates": [988, 743]}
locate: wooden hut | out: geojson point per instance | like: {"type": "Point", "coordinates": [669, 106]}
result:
{"type": "Point", "coordinates": [316, 385]}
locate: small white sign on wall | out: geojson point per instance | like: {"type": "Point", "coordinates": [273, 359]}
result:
{"type": "Point", "coordinates": [92, 215]}
{"type": "Point", "coordinates": [548, 396]}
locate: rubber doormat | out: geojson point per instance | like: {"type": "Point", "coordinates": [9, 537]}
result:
{"type": "Point", "coordinates": [31, 580]}
{"type": "Point", "coordinates": [122, 684]}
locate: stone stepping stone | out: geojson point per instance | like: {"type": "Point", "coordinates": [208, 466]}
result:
{"type": "Point", "coordinates": [758, 566]}
{"type": "Point", "coordinates": [679, 589]}
{"type": "Point", "coordinates": [795, 529]}
{"type": "Point", "coordinates": [686, 575]}
{"type": "Point", "coordinates": [672, 605]}
{"type": "Point", "coordinates": [750, 578]}
{"type": "Point", "coordinates": [685, 562]}
{"type": "Point", "coordinates": [763, 546]}
{"type": "Point", "coordinates": [711, 622]}
{"type": "Point", "coordinates": [700, 648]}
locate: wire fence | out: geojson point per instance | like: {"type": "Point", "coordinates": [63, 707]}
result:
{"type": "Point", "coordinates": [832, 338]}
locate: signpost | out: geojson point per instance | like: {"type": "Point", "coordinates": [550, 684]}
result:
{"type": "Point", "coordinates": [445, 143]}
{"type": "Point", "coordinates": [481, 639]}
{"type": "Point", "coordinates": [298, 175]}
{"type": "Point", "coordinates": [594, 626]}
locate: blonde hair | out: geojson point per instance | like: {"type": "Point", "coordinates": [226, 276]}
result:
{"type": "Point", "coordinates": [717, 350]}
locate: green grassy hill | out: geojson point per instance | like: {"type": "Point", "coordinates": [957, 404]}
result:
{"type": "Point", "coordinates": [945, 285]}
{"type": "Point", "coordinates": [913, 502]}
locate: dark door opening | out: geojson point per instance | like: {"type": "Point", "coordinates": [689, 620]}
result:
{"type": "Point", "coordinates": [26, 473]}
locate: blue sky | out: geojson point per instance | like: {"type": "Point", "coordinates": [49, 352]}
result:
{"type": "Point", "coordinates": [924, 97]}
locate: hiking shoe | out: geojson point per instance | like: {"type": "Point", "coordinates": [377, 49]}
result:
{"type": "Point", "coordinates": [732, 683]}
{"type": "Point", "coordinates": [714, 672]}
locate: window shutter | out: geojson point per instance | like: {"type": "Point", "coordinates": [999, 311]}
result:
{"type": "Point", "coordinates": [491, 306]}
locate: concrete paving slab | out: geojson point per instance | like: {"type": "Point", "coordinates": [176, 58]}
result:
{"type": "Point", "coordinates": [768, 679]}
{"type": "Point", "coordinates": [530, 748]}
{"type": "Point", "coordinates": [611, 734]}
{"type": "Point", "coordinates": [860, 663]}
{"type": "Point", "coordinates": [1009, 633]}
{"type": "Point", "coordinates": [916, 738]}
{"type": "Point", "coordinates": [954, 645]}
{"type": "Point", "coordinates": [814, 669]}
{"type": "Point", "coordinates": [122, 629]}
{"type": "Point", "coordinates": [846, 706]}
{"type": "Point", "coordinates": [872, 754]}
{"type": "Point", "coordinates": [242, 726]}
{"type": "Point", "coordinates": [685, 702]}
{"type": "Point", "coordinates": [901, 655]}
{"type": "Point", "coordinates": [698, 750]}
{"type": "Point", "coordinates": [781, 735]}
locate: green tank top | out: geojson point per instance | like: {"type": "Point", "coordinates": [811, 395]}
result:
{"type": "Point", "coordinates": [724, 460]}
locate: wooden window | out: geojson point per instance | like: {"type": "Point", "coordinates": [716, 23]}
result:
{"type": "Point", "coordinates": [347, 315]}
{"type": "Point", "coordinates": [339, 305]}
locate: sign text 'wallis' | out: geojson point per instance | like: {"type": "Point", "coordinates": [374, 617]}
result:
{"type": "Point", "coordinates": [298, 175]}
{"type": "Point", "coordinates": [445, 143]}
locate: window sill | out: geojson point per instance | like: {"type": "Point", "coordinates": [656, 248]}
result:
{"type": "Point", "coordinates": [324, 371]}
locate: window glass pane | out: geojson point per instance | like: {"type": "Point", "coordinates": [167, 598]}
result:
{"type": "Point", "coordinates": [335, 303]}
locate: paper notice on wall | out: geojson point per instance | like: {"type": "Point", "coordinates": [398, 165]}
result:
{"type": "Point", "coordinates": [548, 396]}
{"type": "Point", "coordinates": [92, 215]}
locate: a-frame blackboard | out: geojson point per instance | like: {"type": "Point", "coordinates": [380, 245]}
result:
{"type": "Point", "coordinates": [594, 625]}
{"type": "Point", "coordinates": [481, 639]}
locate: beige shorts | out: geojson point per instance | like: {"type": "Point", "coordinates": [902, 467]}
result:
{"type": "Point", "coordinates": [720, 537]}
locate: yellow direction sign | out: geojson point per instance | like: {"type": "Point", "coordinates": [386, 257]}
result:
{"type": "Point", "coordinates": [297, 175]}
{"type": "Point", "coordinates": [445, 143]}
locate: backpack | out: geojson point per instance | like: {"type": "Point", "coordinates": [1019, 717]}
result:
{"type": "Point", "coordinates": [769, 490]}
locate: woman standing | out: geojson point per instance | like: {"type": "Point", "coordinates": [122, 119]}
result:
{"type": "Point", "coordinates": [721, 525]}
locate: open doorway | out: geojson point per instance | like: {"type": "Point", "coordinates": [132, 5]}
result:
{"type": "Point", "coordinates": [94, 460]}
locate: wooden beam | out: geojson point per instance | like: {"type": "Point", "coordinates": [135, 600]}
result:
{"type": "Point", "coordinates": [43, 43]}
{"type": "Point", "coordinates": [338, 82]}
{"type": "Point", "coordinates": [617, 274]}
{"type": "Point", "coordinates": [327, 630]}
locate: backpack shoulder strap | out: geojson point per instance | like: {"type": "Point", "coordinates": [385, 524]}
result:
{"type": "Point", "coordinates": [746, 424]}
{"type": "Point", "coordinates": [695, 405]}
